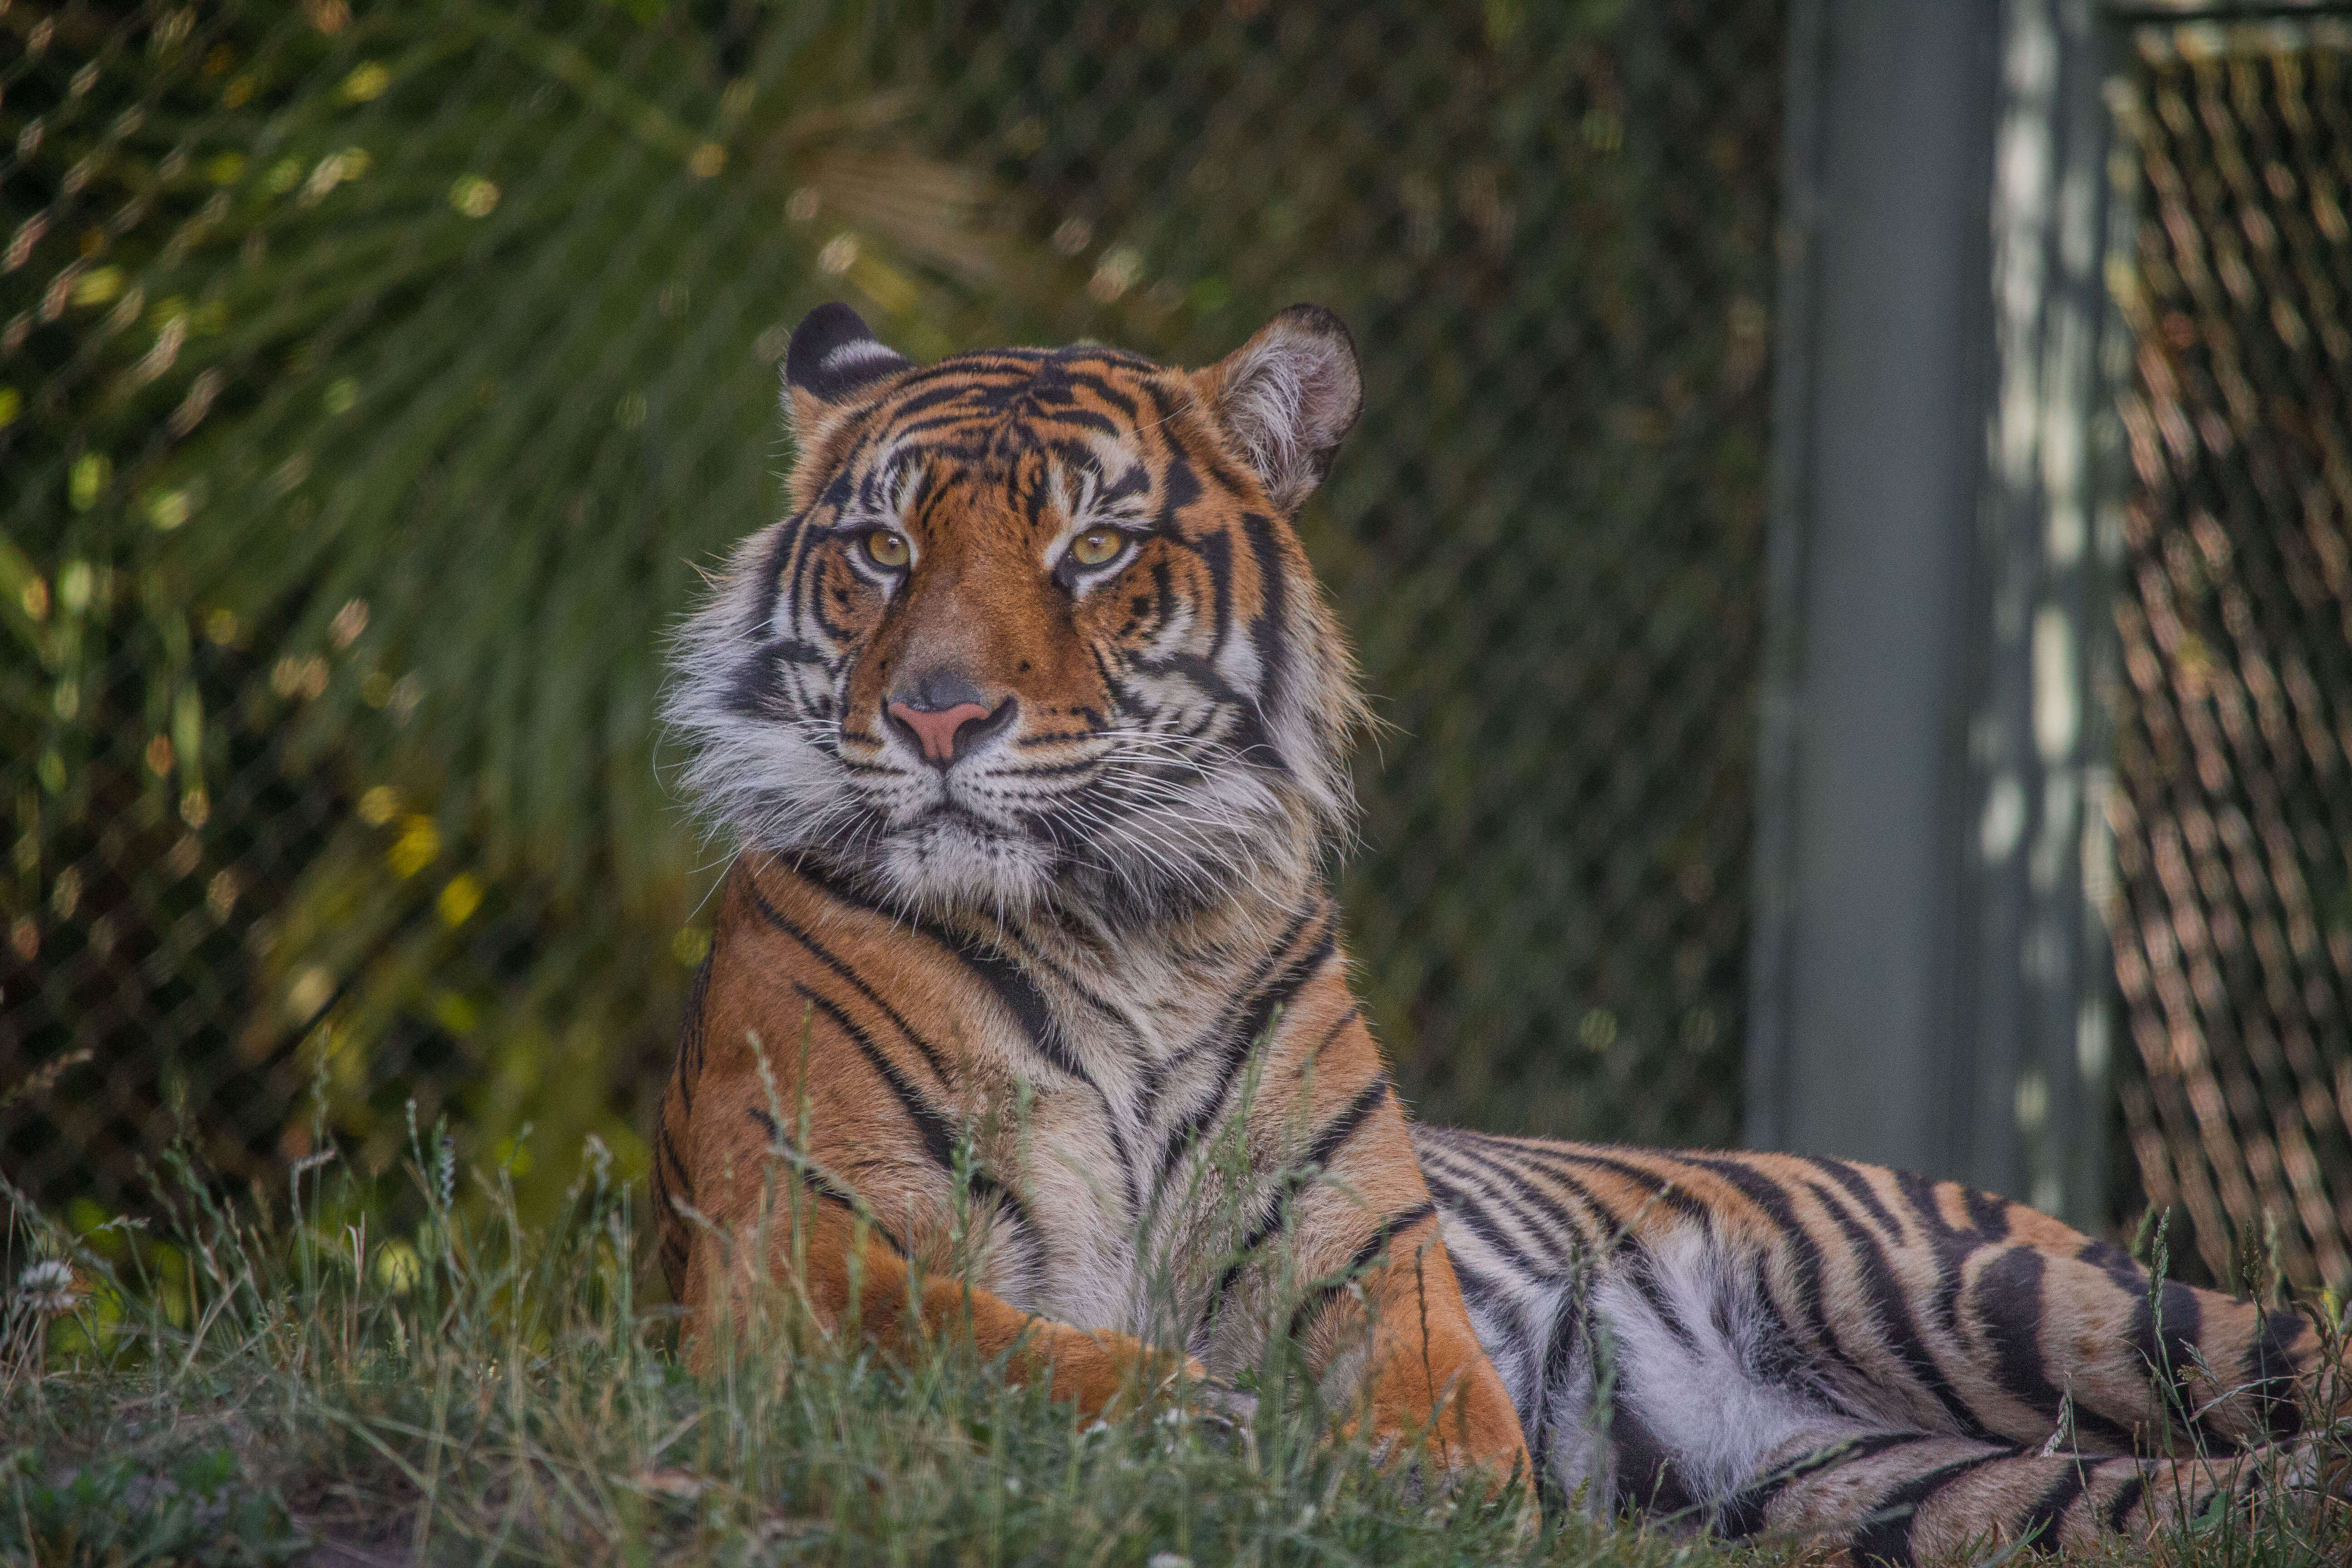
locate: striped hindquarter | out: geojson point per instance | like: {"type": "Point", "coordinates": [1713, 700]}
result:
{"type": "Point", "coordinates": [1768, 1343]}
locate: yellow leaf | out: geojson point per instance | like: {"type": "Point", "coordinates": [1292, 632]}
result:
{"type": "Point", "coordinates": [459, 899]}
{"type": "Point", "coordinates": [367, 81]}
{"type": "Point", "coordinates": [98, 285]}
{"type": "Point", "coordinates": [474, 197]}
{"type": "Point", "coordinates": [418, 846]}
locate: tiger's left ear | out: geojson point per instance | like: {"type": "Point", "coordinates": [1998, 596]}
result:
{"type": "Point", "coordinates": [1286, 397]}
{"type": "Point", "coordinates": [833, 357]}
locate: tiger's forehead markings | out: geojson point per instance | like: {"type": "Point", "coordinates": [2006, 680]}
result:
{"type": "Point", "coordinates": [1057, 476]}
{"type": "Point", "coordinates": [989, 397]}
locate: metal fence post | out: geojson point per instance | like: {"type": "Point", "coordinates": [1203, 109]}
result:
{"type": "Point", "coordinates": [1929, 975]}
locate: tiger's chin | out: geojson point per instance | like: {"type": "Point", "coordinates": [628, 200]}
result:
{"type": "Point", "coordinates": [950, 860]}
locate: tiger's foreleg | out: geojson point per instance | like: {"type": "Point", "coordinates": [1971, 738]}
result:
{"type": "Point", "coordinates": [1382, 1310]}
{"type": "Point", "coordinates": [1430, 1379]}
{"type": "Point", "coordinates": [825, 1267]}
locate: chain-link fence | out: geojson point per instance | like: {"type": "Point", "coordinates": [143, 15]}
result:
{"type": "Point", "coordinates": [2233, 822]}
{"type": "Point", "coordinates": [373, 376]}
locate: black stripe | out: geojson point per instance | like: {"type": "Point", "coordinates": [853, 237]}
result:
{"type": "Point", "coordinates": [772, 577]}
{"type": "Point", "coordinates": [1804, 1252]}
{"type": "Point", "coordinates": [1354, 1012]}
{"type": "Point", "coordinates": [1545, 1181]}
{"type": "Point", "coordinates": [1642, 1473]}
{"type": "Point", "coordinates": [1488, 1295]}
{"type": "Point", "coordinates": [822, 1185]}
{"type": "Point", "coordinates": [2040, 1529]}
{"type": "Point", "coordinates": [938, 1135]}
{"type": "Point", "coordinates": [1270, 630]}
{"type": "Point", "coordinates": [1887, 1533]}
{"type": "Point", "coordinates": [783, 922]}
{"type": "Point", "coordinates": [1891, 1314]}
{"type": "Point", "coordinates": [1293, 1181]}
{"type": "Point", "coordinates": [668, 1225]}
{"type": "Point", "coordinates": [931, 1125]}
{"type": "Point", "coordinates": [1846, 1175]}
{"type": "Point", "coordinates": [2009, 1293]}
{"type": "Point", "coordinates": [1566, 1232]}
{"type": "Point", "coordinates": [683, 1181]}
{"type": "Point", "coordinates": [1950, 1246]}
{"type": "Point", "coordinates": [1634, 1259]}
{"type": "Point", "coordinates": [1342, 1127]}
{"type": "Point", "coordinates": [1544, 1247]}
{"type": "Point", "coordinates": [1987, 1210]}
{"type": "Point", "coordinates": [2168, 1321]}
{"type": "Point", "coordinates": [1662, 1189]}
{"type": "Point", "coordinates": [1012, 987]}
{"type": "Point", "coordinates": [1071, 367]}
{"type": "Point", "coordinates": [1252, 1028]}
{"type": "Point", "coordinates": [1742, 1515]}
{"type": "Point", "coordinates": [1322, 1295]}
{"type": "Point", "coordinates": [2127, 1499]}
{"type": "Point", "coordinates": [1459, 1203]}
{"type": "Point", "coordinates": [2269, 1374]}
{"type": "Point", "coordinates": [661, 1177]}
{"type": "Point", "coordinates": [2113, 1261]}
{"type": "Point", "coordinates": [1216, 554]}
{"type": "Point", "coordinates": [1554, 1372]}
{"type": "Point", "coordinates": [1638, 1267]}
{"type": "Point", "coordinates": [1016, 991]}
{"type": "Point", "coordinates": [1036, 1020]}
{"type": "Point", "coordinates": [2168, 1357]}
{"type": "Point", "coordinates": [1512, 1330]}
{"type": "Point", "coordinates": [1062, 972]}
{"type": "Point", "coordinates": [690, 1041]}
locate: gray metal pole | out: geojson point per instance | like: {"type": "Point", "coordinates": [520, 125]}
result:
{"type": "Point", "coordinates": [1932, 760]}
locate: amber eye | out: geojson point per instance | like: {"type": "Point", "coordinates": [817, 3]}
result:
{"type": "Point", "coordinates": [1096, 545]}
{"type": "Point", "coordinates": [888, 549]}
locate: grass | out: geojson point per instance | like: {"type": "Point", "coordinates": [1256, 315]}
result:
{"type": "Point", "coordinates": [282, 1381]}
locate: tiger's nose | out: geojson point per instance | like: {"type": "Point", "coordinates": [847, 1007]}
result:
{"type": "Point", "coordinates": [947, 715]}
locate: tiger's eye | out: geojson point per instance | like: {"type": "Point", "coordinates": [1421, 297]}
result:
{"type": "Point", "coordinates": [886, 549]}
{"type": "Point", "coordinates": [1096, 545]}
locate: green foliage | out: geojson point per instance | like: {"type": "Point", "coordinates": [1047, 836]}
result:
{"type": "Point", "coordinates": [198, 1510]}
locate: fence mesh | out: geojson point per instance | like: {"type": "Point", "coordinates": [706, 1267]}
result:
{"type": "Point", "coordinates": [372, 377]}
{"type": "Point", "coordinates": [2233, 822]}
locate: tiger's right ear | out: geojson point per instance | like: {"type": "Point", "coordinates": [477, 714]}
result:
{"type": "Point", "coordinates": [1285, 397]}
{"type": "Point", "coordinates": [833, 357]}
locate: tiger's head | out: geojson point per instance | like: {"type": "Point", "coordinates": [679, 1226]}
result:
{"type": "Point", "coordinates": [1038, 625]}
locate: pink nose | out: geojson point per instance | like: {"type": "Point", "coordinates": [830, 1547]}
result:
{"type": "Point", "coordinates": [937, 732]}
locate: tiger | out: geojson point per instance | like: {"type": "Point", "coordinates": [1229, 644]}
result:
{"type": "Point", "coordinates": [1026, 1017]}
{"type": "Point", "coordinates": [1029, 725]}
